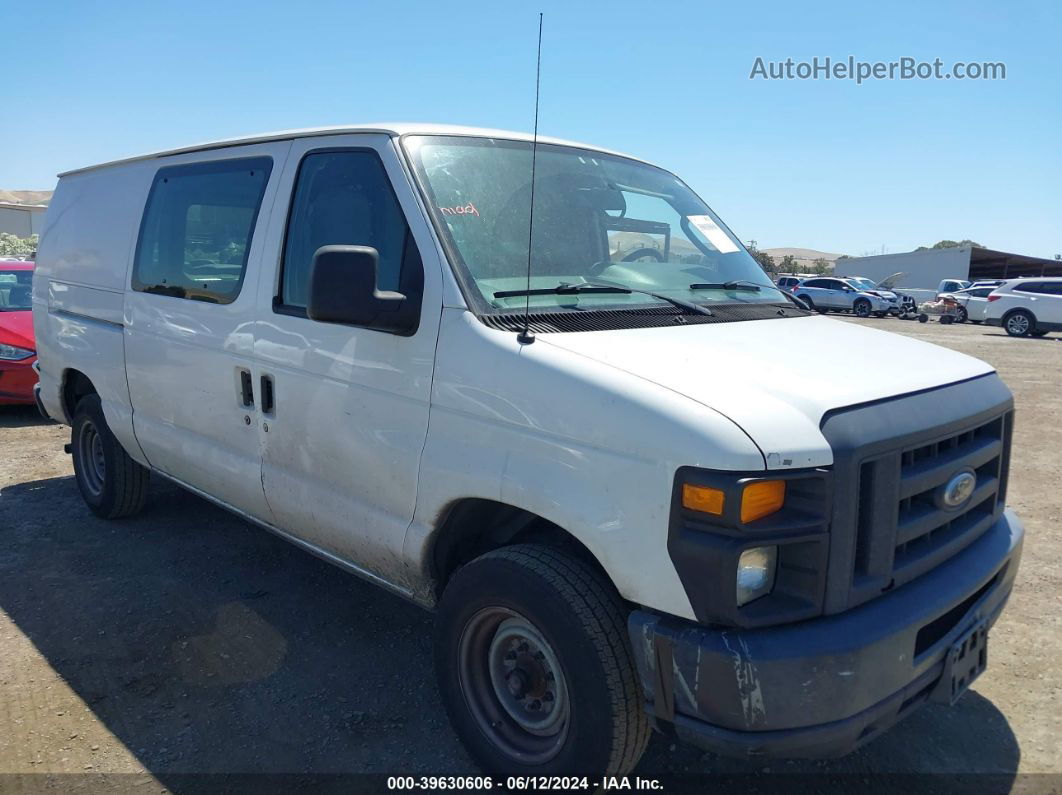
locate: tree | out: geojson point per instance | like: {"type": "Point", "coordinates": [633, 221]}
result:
{"type": "Point", "coordinates": [13, 246]}
{"type": "Point", "coordinates": [821, 267]}
{"type": "Point", "coordinates": [788, 264]}
{"type": "Point", "coordinates": [766, 260]}
{"type": "Point", "coordinates": [950, 244]}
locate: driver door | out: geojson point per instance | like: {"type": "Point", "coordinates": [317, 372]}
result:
{"type": "Point", "coordinates": [345, 409]}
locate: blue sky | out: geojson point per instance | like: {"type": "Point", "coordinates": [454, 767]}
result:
{"type": "Point", "coordinates": [817, 164]}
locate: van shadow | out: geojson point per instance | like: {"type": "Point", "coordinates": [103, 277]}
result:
{"type": "Point", "coordinates": [209, 646]}
{"type": "Point", "coordinates": [19, 416]}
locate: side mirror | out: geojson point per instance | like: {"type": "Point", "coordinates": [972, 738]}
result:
{"type": "Point", "coordinates": [343, 290]}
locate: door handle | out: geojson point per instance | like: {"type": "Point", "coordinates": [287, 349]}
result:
{"type": "Point", "coordinates": [246, 388]}
{"type": "Point", "coordinates": [268, 402]}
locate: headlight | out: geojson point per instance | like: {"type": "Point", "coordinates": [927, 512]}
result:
{"type": "Point", "coordinates": [11, 353]}
{"type": "Point", "coordinates": [755, 573]}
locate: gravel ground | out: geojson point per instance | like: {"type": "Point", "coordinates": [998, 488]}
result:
{"type": "Point", "coordinates": [185, 641]}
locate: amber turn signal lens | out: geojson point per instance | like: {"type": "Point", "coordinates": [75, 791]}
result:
{"type": "Point", "coordinates": [702, 498]}
{"type": "Point", "coordinates": [761, 499]}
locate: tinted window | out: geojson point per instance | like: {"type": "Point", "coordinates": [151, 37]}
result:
{"type": "Point", "coordinates": [1029, 287]}
{"type": "Point", "coordinates": [982, 292]}
{"type": "Point", "coordinates": [815, 283]}
{"type": "Point", "coordinates": [341, 198]}
{"type": "Point", "coordinates": [197, 227]}
{"type": "Point", "coordinates": [1051, 288]}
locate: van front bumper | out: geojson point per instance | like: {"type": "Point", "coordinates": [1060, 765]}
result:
{"type": "Point", "coordinates": [825, 686]}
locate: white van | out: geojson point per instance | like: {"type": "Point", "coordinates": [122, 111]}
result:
{"type": "Point", "coordinates": [629, 505]}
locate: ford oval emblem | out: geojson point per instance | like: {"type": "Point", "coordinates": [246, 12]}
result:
{"type": "Point", "coordinates": [958, 490]}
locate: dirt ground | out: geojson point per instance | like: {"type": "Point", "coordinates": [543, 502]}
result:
{"type": "Point", "coordinates": [185, 641]}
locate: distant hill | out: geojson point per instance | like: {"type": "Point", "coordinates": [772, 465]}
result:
{"type": "Point", "coordinates": [805, 257]}
{"type": "Point", "coordinates": [25, 196]}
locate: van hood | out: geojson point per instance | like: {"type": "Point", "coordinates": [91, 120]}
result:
{"type": "Point", "coordinates": [777, 378]}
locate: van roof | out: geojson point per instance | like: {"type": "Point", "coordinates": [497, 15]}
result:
{"type": "Point", "coordinates": [392, 129]}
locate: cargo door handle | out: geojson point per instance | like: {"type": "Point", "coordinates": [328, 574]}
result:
{"type": "Point", "coordinates": [268, 403]}
{"type": "Point", "coordinates": [246, 388]}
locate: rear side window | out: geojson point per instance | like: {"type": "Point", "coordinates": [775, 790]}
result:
{"type": "Point", "coordinates": [197, 228]}
{"type": "Point", "coordinates": [1029, 287]}
{"type": "Point", "coordinates": [343, 197]}
{"type": "Point", "coordinates": [815, 283]}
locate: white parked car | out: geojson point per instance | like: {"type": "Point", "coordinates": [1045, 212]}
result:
{"type": "Point", "coordinates": [653, 492]}
{"type": "Point", "coordinates": [1026, 307]}
{"type": "Point", "coordinates": [952, 285]}
{"type": "Point", "coordinates": [973, 302]}
{"type": "Point", "coordinates": [827, 294]}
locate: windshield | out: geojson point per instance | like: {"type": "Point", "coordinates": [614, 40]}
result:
{"type": "Point", "coordinates": [598, 218]}
{"type": "Point", "coordinates": [15, 290]}
{"type": "Point", "coordinates": [862, 284]}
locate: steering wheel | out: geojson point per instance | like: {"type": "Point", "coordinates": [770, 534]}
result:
{"type": "Point", "coordinates": [638, 255]}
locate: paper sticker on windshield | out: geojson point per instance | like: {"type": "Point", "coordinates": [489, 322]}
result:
{"type": "Point", "coordinates": [716, 236]}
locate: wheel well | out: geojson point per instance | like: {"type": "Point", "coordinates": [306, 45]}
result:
{"type": "Point", "coordinates": [76, 385]}
{"type": "Point", "coordinates": [473, 527]}
{"type": "Point", "coordinates": [1017, 309]}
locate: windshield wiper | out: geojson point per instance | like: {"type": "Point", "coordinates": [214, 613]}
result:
{"type": "Point", "coordinates": [752, 287]}
{"type": "Point", "coordinates": [737, 284]}
{"type": "Point", "coordinates": [564, 288]}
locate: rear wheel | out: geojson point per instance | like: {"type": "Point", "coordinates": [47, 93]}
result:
{"type": "Point", "coordinates": [111, 483]}
{"type": "Point", "coordinates": [535, 667]}
{"type": "Point", "coordinates": [1019, 323]}
{"type": "Point", "coordinates": [961, 315]}
{"type": "Point", "coordinates": [861, 307]}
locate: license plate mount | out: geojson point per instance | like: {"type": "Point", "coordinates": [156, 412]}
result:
{"type": "Point", "coordinates": [966, 660]}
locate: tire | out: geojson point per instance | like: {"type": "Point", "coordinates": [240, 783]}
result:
{"type": "Point", "coordinates": [1019, 323]}
{"type": "Point", "coordinates": [923, 318]}
{"type": "Point", "coordinates": [811, 304]}
{"type": "Point", "coordinates": [112, 484]}
{"type": "Point", "coordinates": [961, 315]}
{"type": "Point", "coordinates": [861, 308]}
{"type": "Point", "coordinates": [516, 622]}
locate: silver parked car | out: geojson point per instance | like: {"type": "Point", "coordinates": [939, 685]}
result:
{"type": "Point", "coordinates": [837, 295]}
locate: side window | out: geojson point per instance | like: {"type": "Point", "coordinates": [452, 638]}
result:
{"type": "Point", "coordinates": [196, 232]}
{"type": "Point", "coordinates": [343, 198]}
{"type": "Point", "coordinates": [1051, 288]}
{"type": "Point", "coordinates": [1029, 287]}
{"type": "Point", "coordinates": [815, 283]}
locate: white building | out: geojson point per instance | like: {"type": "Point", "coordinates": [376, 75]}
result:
{"type": "Point", "coordinates": [926, 269]}
{"type": "Point", "coordinates": [21, 220]}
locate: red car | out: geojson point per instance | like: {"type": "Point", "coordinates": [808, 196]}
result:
{"type": "Point", "coordinates": [18, 351]}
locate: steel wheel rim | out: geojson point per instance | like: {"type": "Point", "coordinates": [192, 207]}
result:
{"type": "Point", "coordinates": [93, 461]}
{"type": "Point", "coordinates": [513, 684]}
{"type": "Point", "coordinates": [1019, 324]}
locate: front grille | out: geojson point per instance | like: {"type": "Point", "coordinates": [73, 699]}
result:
{"type": "Point", "coordinates": [888, 525]}
{"type": "Point", "coordinates": [926, 533]}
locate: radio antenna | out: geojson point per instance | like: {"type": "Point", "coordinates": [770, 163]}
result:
{"type": "Point", "coordinates": [525, 337]}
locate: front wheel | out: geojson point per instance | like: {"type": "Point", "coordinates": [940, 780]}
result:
{"type": "Point", "coordinates": [861, 308]}
{"type": "Point", "coordinates": [535, 668]}
{"type": "Point", "coordinates": [112, 484]}
{"type": "Point", "coordinates": [961, 315]}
